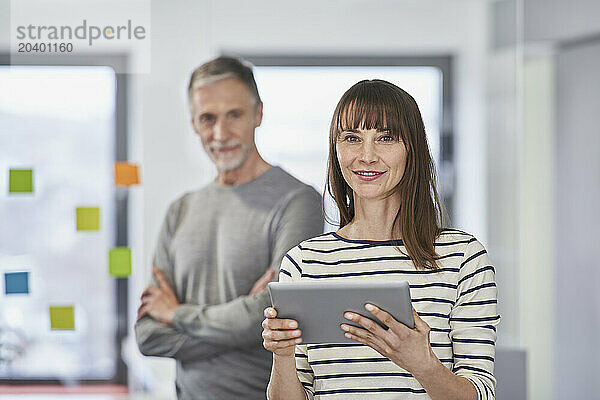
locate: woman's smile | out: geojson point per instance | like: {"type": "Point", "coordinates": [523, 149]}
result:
{"type": "Point", "coordinates": [368, 175]}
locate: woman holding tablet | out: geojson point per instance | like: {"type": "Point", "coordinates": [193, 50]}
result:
{"type": "Point", "coordinates": [382, 177]}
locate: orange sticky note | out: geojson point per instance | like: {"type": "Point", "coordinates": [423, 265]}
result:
{"type": "Point", "coordinates": [126, 174]}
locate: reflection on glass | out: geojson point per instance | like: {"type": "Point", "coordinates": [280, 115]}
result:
{"type": "Point", "coordinates": [58, 121]}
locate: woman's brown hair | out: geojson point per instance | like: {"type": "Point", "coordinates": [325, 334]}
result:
{"type": "Point", "coordinates": [381, 105]}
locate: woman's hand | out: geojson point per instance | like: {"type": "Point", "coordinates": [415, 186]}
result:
{"type": "Point", "coordinates": [280, 336]}
{"type": "Point", "coordinates": [408, 348]}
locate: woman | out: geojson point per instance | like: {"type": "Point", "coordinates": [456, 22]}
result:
{"type": "Point", "coordinates": [382, 177]}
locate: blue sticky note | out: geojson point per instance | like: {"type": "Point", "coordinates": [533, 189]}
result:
{"type": "Point", "coordinates": [16, 282]}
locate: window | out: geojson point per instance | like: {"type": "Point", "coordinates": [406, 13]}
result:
{"type": "Point", "coordinates": [59, 121]}
{"type": "Point", "coordinates": [300, 95]}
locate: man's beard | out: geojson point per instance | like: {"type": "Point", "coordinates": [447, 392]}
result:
{"type": "Point", "coordinates": [230, 164]}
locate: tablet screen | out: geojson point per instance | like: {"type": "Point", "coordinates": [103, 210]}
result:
{"type": "Point", "coordinates": [319, 306]}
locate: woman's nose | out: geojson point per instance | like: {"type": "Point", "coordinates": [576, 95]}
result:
{"type": "Point", "coordinates": [368, 154]}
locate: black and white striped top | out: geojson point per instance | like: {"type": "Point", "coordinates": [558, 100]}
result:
{"type": "Point", "coordinates": [458, 302]}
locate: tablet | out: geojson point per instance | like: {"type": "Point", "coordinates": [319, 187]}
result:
{"type": "Point", "coordinates": [319, 306]}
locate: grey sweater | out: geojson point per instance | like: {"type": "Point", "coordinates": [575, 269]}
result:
{"type": "Point", "coordinates": [213, 246]}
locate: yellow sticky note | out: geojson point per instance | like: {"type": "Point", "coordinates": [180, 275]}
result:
{"type": "Point", "coordinates": [88, 218]}
{"type": "Point", "coordinates": [20, 181]}
{"type": "Point", "coordinates": [62, 317]}
{"type": "Point", "coordinates": [119, 262]}
{"type": "Point", "coordinates": [126, 174]}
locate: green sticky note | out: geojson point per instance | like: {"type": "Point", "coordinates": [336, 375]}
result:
{"type": "Point", "coordinates": [20, 181]}
{"type": "Point", "coordinates": [62, 317]}
{"type": "Point", "coordinates": [88, 218]}
{"type": "Point", "coordinates": [119, 262]}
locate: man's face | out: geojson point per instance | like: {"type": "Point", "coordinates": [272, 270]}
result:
{"type": "Point", "coordinates": [224, 116]}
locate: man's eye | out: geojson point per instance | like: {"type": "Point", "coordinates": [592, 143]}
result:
{"type": "Point", "coordinates": [206, 119]}
{"type": "Point", "coordinates": [235, 114]}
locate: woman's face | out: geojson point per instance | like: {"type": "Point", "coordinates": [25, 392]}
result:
{"type": "Point", "coordinates": [372, 161]}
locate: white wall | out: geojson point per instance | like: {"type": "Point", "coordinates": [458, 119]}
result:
{"type": "Point", "coordinates": [502, 163]}
{"type": "Point", "coordinates": [537, 191]}
{"type": "Point", "coordinates": [577, 175]}
{"type": "Point", "coordinates": [537, 224]}
{"type": "Point", "coordinates": [559, 20]}
{"type": "Point", "coordinates": [559, 278]}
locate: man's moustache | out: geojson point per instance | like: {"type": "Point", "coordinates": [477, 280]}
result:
{"type": "Point", "coordinates": [223, 146]}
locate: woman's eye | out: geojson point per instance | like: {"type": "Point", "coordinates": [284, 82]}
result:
{"type": "Point", "coordinates": [351, 138]}
{"type": "Point", "coordinates": [387, 138]}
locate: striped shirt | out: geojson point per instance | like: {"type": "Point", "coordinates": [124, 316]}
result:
{"type": "Point", "coordinates": [458, 302]}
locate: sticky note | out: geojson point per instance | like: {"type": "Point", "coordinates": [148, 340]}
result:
{"type": "Point", "coordinates": [20, 181]}
{"type": "Point", "coordinates": [88, 218]}
{"type": "Point", "coordinates": [126, 174]}
{"type": "Point", "coordinates": [16, 282]}
{"type": "Point", "coordinates": [119, 262]}
{"type": "Point", "coordinates": [62, 317]}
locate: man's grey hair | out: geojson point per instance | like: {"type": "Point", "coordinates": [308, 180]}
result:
{"type": "Point", "coordinates": [222, 68]}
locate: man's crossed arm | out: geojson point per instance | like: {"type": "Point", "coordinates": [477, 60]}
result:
{"type": "Point", "coordinates": [160, 302]}
{"type": "Point", "coordinates": [155, 332]}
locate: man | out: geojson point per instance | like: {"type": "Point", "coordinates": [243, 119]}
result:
{"type": "Point", "coordinates": [221, 245]}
